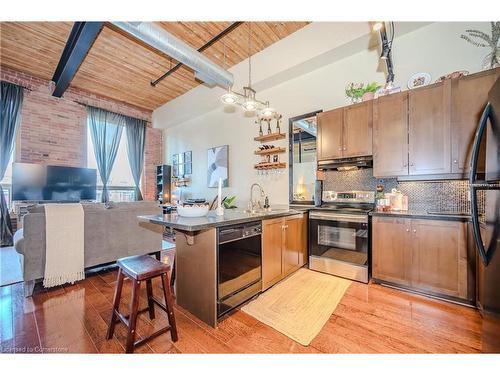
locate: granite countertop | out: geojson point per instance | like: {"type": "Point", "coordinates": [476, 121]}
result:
{"type": "Point", "coordinates": [211, 220]}
{"type": "Point", "coordinates": [418, 214]}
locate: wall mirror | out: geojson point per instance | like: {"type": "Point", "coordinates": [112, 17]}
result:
{"type": "Point", "coordinates": [302, 158]}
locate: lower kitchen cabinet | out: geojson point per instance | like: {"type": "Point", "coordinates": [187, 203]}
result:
{"type": "Point", "coordinates": [426, 255]}
{"type": "Point", "coordinates": [390, 251]}
{"type": "Point", "coordinates": [284, 247]}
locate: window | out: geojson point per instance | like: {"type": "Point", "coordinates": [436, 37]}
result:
{"type": "Point", "coordinates": [121, 183]}
{"type": "Point", "coordinates": [6, 183]}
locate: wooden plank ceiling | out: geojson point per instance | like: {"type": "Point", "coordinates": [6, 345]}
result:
{"type": "Point", "coordinates": [120, 68]}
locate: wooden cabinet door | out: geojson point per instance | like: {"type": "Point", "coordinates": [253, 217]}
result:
{"type": "Point", "coordinates": [429, 129]}
{"type": "Point", "coordinates": [439, 257]}
{"type": "Point", "coordinates": [357, 132]}
{"type": "Point", "coordinates": [391, 258]}
{"type": "Point", "coordinates": [330, 134]}
{"type": "Point", "coordinates": [295, 243]}
{"type": "Point", "coordinates": [272, 245]}
{"type": "Point", "coordinates": [469, 96]}
{"type": "Point", "coordinates": [390, 135]}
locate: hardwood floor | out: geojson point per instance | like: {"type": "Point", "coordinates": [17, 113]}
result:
{"type": "Point", "coordinates": [369, 319]}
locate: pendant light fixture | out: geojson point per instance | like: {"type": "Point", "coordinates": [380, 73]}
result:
{"type": "Point", "coordinates": [247, 99]}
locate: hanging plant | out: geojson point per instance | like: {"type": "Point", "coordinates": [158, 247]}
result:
{"type": "Point", "coordinates": [481, 39]}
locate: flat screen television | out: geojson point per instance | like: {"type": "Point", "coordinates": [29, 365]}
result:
{"type": "Point", "coordinates": [35, 182]}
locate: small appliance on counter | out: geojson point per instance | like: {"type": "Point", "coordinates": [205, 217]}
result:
{"type": "Point", "coordinates": [339, 235]}
{"type": "Point", "coordinates": [393, 201]}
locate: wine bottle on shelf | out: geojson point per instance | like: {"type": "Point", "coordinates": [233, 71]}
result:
{"type": "Point", "coordinates": [261, 133]}
{"type": "Point", "coordinates": [269, 131]}
{"type": "Point", "coordinates": [278, 119]}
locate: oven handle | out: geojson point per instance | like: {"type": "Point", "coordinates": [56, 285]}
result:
{"type": "Point", "coordinates": [339, 217]}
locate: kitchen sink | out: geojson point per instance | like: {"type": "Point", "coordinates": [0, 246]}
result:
{"type": "Point", "coordinates": [264, 211]}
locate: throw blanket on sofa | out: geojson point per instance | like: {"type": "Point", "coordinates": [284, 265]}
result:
{"type": "Point", "coordinates": [64, 251]}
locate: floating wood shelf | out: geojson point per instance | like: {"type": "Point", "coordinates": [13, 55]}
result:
{"type": "Point", "coordinates": [270, 137]}
{"type": "Point", "coordinates": [178, 181]}
{"type": "Point", "coordinates": [270, 165]}
{"type": "Point", "coordinates": [271, 151]}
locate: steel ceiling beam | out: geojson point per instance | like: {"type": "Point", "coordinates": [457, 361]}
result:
{"type": "Point", "coordinates": [80, 40]}
{"type": "Point", "coordinates": [216, 38]}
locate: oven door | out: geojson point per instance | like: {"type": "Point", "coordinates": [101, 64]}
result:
{"type": "Point", "coordinates": [338, 244]}
{"type": "Point", "coordinates": [342, 237]}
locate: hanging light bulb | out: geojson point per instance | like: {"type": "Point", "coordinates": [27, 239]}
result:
{"type": "Point", "coordinates": [377, 26]}
{"type": "Point", "coordinates": [250, 104]}
{"type": "Point", "coordinates": [229, 97]}
{"type": "Point", "coordinates": [267, 111]}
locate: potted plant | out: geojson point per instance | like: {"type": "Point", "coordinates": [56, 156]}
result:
{"type": "Point", "coordinates": [358, 92]}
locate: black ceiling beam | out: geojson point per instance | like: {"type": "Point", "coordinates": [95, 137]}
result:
{"type": "Point", "coordinates": [216, 38]}
{"type": "Point", "coordinates": [81, 38]}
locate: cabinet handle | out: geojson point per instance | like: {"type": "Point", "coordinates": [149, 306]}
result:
{"type": "Point", "coordinates": [414, 231]}
{"type": "Point", "coordinates": [412, 164]}
{"type": "Point", "coordinates": [340, 148]}
{"type": "Point", "coordinates": [407, 229]}
{"type": "Point", "coordinates": [455, 161]}
{"type": "Point", "coordinates": [345, 148]}
{"type": "Point", "coordinates": [405, 164]}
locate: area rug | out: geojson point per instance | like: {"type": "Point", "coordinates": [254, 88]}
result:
{"type": "Point", "coordinates": [10, 266]}
{"type": "Point", "coordinates": [300, 305]}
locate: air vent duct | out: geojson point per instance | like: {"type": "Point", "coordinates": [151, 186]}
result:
{"type": "Point", "coordinates": [160, 39]}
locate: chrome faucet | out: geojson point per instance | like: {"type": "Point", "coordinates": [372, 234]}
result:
{"type": "Point", "coordinates": [262, 194]}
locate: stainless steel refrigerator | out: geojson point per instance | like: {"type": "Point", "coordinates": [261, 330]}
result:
{"type": "Point", "coordinates": [486, 225]}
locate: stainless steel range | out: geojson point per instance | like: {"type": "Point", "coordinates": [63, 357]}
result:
{"type": "Point", "coordinates": [339, 236]}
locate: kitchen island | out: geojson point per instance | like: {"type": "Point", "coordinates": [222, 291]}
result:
{"type": "Point", "coordinates": [197, 261]}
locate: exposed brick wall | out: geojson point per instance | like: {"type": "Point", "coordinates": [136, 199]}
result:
{"type": "Point", "coordinates": [152, 158]}
{"type": "Point", "coordinates": [53, 130]}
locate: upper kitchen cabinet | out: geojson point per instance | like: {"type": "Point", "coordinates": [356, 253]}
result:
{"type": "Point", "coordinates": [390, 135]}
{"type": "Point", "coordinates": [330, 134]}
{"type": "Point", "coordinates": [429, 129]}
{"type": "Point", "coordinates": [345, 132]}
{"type": "Point", "coordinates": [357, 130]}
{"type": "Point", "coordinates": [469, 96]}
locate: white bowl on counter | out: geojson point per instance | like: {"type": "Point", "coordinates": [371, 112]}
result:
{"type": "Point", "coordinates": [192, 211]}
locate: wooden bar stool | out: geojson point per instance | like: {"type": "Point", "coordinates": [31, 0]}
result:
{"type": "Point", "coordinates": [142, 268]}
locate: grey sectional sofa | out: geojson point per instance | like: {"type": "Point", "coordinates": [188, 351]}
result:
{"type": "Point", "coordinates": [110, 233]}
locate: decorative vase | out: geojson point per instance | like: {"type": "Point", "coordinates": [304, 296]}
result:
{"type": "Point", "coordinates": [367, 96]}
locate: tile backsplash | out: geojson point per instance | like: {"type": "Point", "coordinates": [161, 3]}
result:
{"type": "Point", "coordinates": [422, 195]}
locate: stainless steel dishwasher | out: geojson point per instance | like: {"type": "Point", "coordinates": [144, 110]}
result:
{"type": "Point", "coordinates": [239, 265]}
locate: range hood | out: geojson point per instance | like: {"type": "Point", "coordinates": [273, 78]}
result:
{"type": "Point", "coordinates": [346, 163]}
